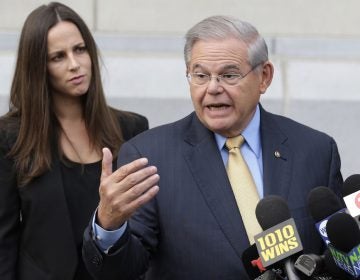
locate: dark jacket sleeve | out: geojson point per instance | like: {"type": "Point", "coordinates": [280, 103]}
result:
{"type": "Point", "coordinates": [9, 211]}
{"type": "Point", "coordinates": [335, 177]}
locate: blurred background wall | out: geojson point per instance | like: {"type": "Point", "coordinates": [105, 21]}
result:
{"type": "Point", "coordinates": [314, 45]}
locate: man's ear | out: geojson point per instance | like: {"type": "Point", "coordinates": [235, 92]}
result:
{"type": "Point", "coordinates": [267, 74]}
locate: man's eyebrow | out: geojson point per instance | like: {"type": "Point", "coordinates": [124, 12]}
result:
{"type": "Point", "coordinates": [224, 68]}
{"type": "Point", "coordinates": [231, 67]}
{"type": "Point", "coordinates": [197, 65]}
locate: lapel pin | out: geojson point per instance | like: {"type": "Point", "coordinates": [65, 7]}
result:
{"type": "Point", "coordinates": [277, 154]}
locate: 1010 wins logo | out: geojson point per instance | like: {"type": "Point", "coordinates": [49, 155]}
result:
{"type": "Point", "coordinates": [278, 242]}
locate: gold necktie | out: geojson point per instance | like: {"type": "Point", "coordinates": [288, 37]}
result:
{"type": "Point", "coordinates": [243, 186]}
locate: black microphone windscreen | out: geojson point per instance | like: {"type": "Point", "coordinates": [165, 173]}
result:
{"type": "Point", "coordinates": [272, 210]}
{"type": "Point", "coordinates": [343, 232]}
{"type": "Point", "coordinates": [323, 202]}
{"type": "Point", "coordinates": [351, 185]}
{"type": "Point", "coordinates": [332, 268]}
{"type": "Point", "coordinates": [247, 257]}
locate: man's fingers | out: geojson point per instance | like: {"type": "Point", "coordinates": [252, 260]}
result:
{"type": "Point", "coordinates": [106, 164]}
{"type": "Point", "coordinates": [141, 187]}
{"type": "Point", "coordinates": [130, 207]}
{"type": "Point", "coordinates": [142, 199]}
{"type": "Point", "coordinates": [130, 168]}
{"type": "Point", "coordinates": [124, 190]}
{"type": "Point", "coordinates": [117, 207]}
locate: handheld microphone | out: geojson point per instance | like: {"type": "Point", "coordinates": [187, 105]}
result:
{"type": "Point", "coordinates": [280, 239]}
{"type": "Point", "coordinates": [322, 204]}
{"type": "Point", "coordinates": [321, 267]}
{"type": "Point", "coordinates": [309, 264]}
{"type": "Point", "coordinates": [351, 195]}
{"type": "Point", "coordinates": [344, 236]}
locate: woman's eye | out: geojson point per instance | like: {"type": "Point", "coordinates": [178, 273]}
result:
{"type": "Point", "coordinates": [81, 49]}
{"type": "Point", "coordinates": [57, 57]}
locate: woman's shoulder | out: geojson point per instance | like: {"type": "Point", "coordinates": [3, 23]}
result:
{"type": "Point", "coordinates": [9, 128]}
{"type": "Point", "coordinates": [131, 123]}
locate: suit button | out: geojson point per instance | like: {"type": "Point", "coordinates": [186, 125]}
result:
{"type": "Point", "coordinates": [96, 260]}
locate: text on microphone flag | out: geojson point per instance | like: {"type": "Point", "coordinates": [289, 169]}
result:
{"type": "Point", "coordinates": [278, 242]}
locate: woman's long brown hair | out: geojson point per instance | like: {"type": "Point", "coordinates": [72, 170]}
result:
{"type": "Point", "coordinates": [30, 99]}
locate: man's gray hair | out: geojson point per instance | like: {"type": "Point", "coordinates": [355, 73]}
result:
{"type": "Point", "coordinates": [224, 27]}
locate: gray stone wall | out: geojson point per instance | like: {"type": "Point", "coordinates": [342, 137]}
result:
{"type": "Point", "coordinates": [314, 45]}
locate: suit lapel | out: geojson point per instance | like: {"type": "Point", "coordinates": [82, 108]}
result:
{"type": "Point", "coordinates": [277, 157]}
{"type": "Point", "coordinates": [206, 165]}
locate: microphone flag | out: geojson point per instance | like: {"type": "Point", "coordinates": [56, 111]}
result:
{"type": "Point", "coordinates": [278, 242]}
{"type": "Point", "coordinates": [350, 262]}
{"type": "Point", "coordinates": [352, 202]}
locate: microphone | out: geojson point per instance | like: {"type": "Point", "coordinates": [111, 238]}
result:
{"type": "Point", "coordinates": [322, 204]}
{"type": "Point", "coordinates": [344, 235]}
{"type": "Point", "coordinates": [280, 239]}
{"type": "Point", "coordinates": [254, 268]}
{"type": "Point", "coordinates": [333, 269]}
{"type": "Point", "coordinates": [351, 195]}
{"type": "Point", "coordinates": [320, 267]}
{"type": "Point", "coordinates": [309, 264]}
{"type": "Point", "coordinates": [248, 256]}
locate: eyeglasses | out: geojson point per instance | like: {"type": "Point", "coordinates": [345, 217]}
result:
{"type": "Point", "coordinates": [228, 79]}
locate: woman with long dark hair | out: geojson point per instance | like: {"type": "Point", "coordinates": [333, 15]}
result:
{"type": "Point", "coordinates": [51, 144]}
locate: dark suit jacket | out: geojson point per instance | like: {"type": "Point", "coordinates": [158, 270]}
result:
{"type": "Point", "coordinates": [193, 229]}
{"type": "Point", "coordinates": [40, 244]}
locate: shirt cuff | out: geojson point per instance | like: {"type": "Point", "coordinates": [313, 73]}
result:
{"type": "Point", "coordinates": [105, 239]}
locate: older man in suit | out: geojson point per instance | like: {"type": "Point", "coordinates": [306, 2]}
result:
{"type": "Point", "coordinates": [189, 224]}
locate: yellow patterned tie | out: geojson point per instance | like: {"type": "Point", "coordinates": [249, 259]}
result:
{"type": "Point", "coordinates": [243, 186]}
